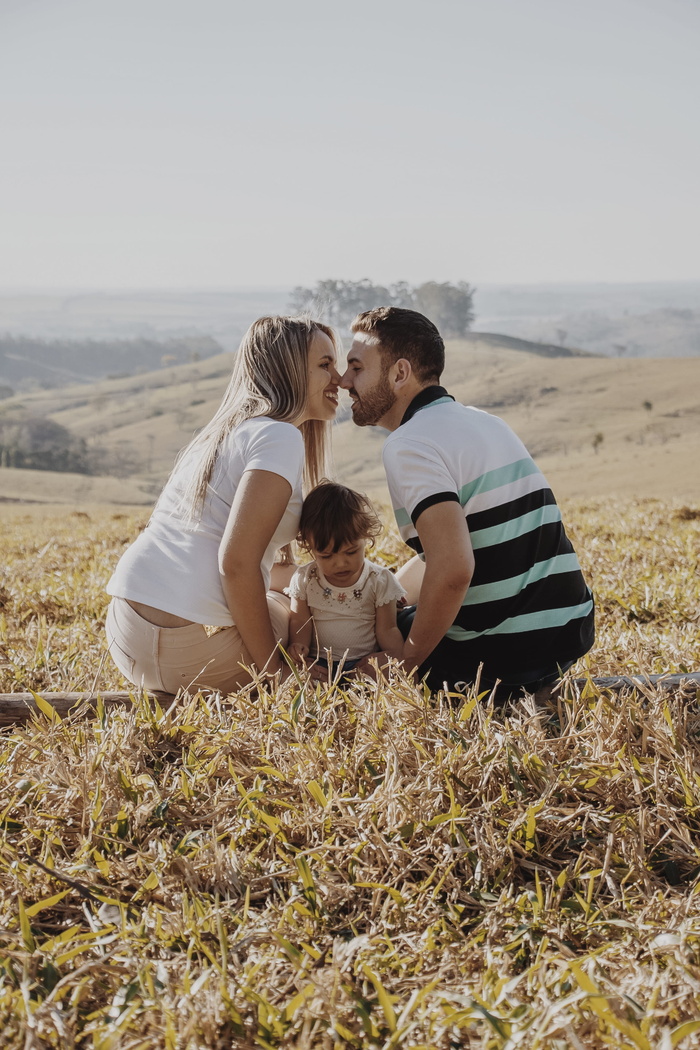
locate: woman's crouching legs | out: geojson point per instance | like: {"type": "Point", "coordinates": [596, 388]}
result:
{"type": "Point", "coordinates": [168, 659]}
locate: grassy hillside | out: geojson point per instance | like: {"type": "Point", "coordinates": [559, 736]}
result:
{"type": "Point", "coordinates": [27, 362]}
{"type": "Point", "coordinates": [557, 404]}
{"type": "Point", "coordinates": [46, 488]}
{"type": "Point", "coordinates": [351, 866]}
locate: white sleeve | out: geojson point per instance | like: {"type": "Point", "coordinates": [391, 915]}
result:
{"type": "Point", "coordinates": [297, 585]}
{"type": "Point", "coordinates": [387, 589]}
{"type": "Point", "coordinates": [277, 447]}
{"type": "Point", "coordinates": [417, 476]}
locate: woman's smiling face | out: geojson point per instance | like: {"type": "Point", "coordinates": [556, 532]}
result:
{"type": "Point", "coordinates": [324, 379]}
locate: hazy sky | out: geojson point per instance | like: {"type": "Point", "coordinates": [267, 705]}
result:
{"type": "Point", "coordinates": [199, 143]}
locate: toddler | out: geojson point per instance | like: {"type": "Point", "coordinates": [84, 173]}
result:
{"type": "Point", "coordinates": [343, 606]}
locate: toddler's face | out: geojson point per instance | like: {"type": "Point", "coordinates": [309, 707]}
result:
{"type": "Point", "coordinates": [343, 567]}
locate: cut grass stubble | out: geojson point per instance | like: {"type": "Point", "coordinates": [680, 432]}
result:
{"type": "Point", "coordinates": [363, 866]}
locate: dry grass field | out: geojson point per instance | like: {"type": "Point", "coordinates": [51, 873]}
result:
{"type": "Point", "coordinates": [352, 865]}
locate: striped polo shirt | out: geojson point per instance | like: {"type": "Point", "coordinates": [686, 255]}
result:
{"type": "Point", "coordinates": [528, 605]}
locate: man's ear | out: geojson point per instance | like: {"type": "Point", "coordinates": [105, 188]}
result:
{"type": "Point", "coordinates": [403, 370]}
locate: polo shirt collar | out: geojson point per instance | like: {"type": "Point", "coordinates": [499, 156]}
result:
{"type": "Point", "coordinates": [426, 397]}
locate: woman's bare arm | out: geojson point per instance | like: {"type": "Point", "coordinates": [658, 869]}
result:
{"type": "Point", "coordinates": [300, 630]}
{"type": "Point", "coordinates": [260, 501]}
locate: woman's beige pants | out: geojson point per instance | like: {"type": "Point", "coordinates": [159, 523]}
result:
{"type": "Point", "coordinates": [172, 658]}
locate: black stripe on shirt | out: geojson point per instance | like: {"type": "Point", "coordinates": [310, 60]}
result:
{"type": "Point", "coordinates": [556, 591]}
{"type": "Point", "coordinates": [505, 512]}
{"type": "Point", "coordinates": [430, 501]}
{"type": "Point", "coordinates": [426, 396]}
{"type": "Point", "coordinates": [515, 657]}
{"type": "Point", "coordinates": [513, 557]}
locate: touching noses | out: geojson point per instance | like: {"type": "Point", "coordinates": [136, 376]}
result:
{"type": "Point", "coordinates": [345, 381]}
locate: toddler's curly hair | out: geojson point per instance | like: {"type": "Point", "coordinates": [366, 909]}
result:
{"type": "Point", "coordinates": [333, 516]}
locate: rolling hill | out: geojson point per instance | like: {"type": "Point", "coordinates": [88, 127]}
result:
{"type": "Point", "coordinates": [597, 426]}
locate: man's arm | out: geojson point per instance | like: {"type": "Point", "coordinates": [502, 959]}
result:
{"type": "Point", "coordinates": [449, 566]}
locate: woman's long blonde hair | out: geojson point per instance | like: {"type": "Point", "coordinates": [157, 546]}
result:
{"type": "Point", "coordinates": [269, 378]}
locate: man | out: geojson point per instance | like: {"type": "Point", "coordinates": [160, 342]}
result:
{"type": "Point", "coordinates": [500, 596]}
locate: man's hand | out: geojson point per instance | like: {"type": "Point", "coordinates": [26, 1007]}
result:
{"type": "Point", "coordinates": [375, 661]}
{"type": "Point", "coordinates": [318, 673]}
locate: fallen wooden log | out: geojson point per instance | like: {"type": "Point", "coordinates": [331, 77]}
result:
{"type": "Point", "coordinates": [18, 707]}
{"type": "Point", "coordinates": [668, 682]}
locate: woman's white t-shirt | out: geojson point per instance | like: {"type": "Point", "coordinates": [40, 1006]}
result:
{"type": "Point", "coordinates": [173, 565]}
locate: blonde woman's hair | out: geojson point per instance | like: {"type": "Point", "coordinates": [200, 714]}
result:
{"type": "Point", "coordinates": [269, 378]}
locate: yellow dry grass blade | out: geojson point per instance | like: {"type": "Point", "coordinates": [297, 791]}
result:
{"type": "Point", "coordinates": [600, 1005]}
{"type": "Point", "coordinates": [360, 866]}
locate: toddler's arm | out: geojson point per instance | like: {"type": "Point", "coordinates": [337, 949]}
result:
{"type": "Point", "coordinates": [300, 628]}
{"type": "Point", "coordinates": [389, 636]}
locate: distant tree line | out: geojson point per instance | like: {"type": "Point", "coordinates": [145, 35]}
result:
{"type": "Point", "coordinates": [27, 361]}
{"type": "Point", "coordinates": [449, 306]}
{"type": "Point", "coordinates": [37, 443]}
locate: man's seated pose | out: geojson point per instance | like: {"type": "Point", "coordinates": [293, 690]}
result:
{"type": "Point", "coordinates": [498, 585]}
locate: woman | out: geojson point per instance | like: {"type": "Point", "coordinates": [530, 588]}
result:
{"type": "Point", "coordinates": [234, 498]}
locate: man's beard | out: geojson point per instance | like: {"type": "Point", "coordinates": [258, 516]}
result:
{"type": "Point", "coordinates": [374, 406]}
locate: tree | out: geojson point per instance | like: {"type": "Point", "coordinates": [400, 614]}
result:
{"type": "Point", "coordinates": [449, 306]}
{"type": "Point", "coordinates": [340, 301]}
{"type": "Point", "coordinates": [36, 443]}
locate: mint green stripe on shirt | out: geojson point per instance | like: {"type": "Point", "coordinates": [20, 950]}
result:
{"type": "Point", "coordinates": [494, 479]}
{"type": "Point", "coordinates": [510, 530]}
{"type": "Point", "coordinates": [403, 518]}
{"type": "Point", "coordinates": [536, 621]}
{"type": "Point", "coordinates": [493, 592]}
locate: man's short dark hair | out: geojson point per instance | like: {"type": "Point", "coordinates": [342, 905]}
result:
{"type": "Point", "coordinates": [405, 333]}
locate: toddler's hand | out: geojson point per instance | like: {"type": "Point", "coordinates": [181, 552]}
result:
{"type": "Point", "coordinates": [298, 653]}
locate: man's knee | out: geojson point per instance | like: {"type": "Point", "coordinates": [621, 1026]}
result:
{"type": "Point", "coordinates": [404, 619]}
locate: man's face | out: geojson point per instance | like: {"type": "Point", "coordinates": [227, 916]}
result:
{"type": "Point", "coordinates": [367, 380]}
